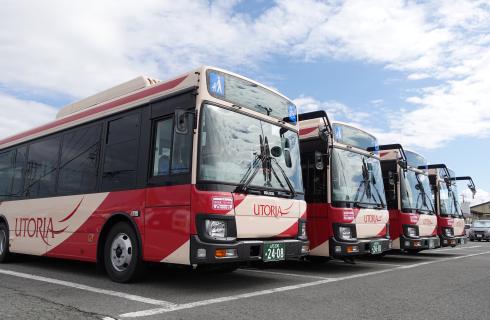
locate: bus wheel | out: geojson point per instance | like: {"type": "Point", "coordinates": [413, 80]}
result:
{"type": "Point", "coordinates": [4, 243]}
{"type": "Point", "coordinates": [122, 257]}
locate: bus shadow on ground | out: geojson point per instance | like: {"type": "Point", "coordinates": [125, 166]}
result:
{"type": "Point", "coordinates": [325, 269]}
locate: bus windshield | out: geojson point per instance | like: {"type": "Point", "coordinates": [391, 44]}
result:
{"type": "Point", "coordinates": [356, 179]}
{"type": "Point", "coordinates": [415, 189]}
{"type": "Point", "coordinates": [231, 144]}
{"type": "Point", "coordinates": [449, 205]}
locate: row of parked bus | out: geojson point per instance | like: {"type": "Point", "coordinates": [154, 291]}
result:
{"type": "Point", "coordinates": [214, 169]}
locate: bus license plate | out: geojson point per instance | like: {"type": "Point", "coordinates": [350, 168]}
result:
{"type": "Point", "coordinates": [376, 247]}
{"type": "Point", "coordinates": [479, 235]}
{"type": "Point", "coordinates": [274, 251]}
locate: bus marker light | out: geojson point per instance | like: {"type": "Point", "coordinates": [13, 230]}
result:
{"type": "Point", "coordinates": [305, 249]}
{"type": "Point", "coordinates": [352, 249]}
{"type": "Point", "coordinates": [201, 253]}
{"type": "Point", "coordinates": [226, 253]}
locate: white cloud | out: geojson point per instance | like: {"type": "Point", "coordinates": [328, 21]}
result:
{"type": "Point", "coordinates": [19, 115]}
{"type": "Point", "coordinates": [78, 48]}
{"type": "Point", "coordinates": [481, 196]}
{"type": "Point", "coordinates": [334, 109]}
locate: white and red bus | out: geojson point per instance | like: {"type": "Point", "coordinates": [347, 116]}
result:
{"type": "Point", "coordinates": [413, 221]}
{"type": "Point", "coordinates": [203, 169]}
{"type": "Point", "coordinates": [450, 218]}
{"type": "Point", "coordinates": [344, 191]}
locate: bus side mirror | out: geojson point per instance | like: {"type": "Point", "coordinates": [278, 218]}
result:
{"type": "Point", "coordinates": [324, 136]}
{"type": "Point", "coordinates": [319, 165]}
{"type": "Point", "coordinates": [181, 121]}
{"type": "Point", "coordinates": [287, 153]}
{"type": "Point", "coordinates": [403, 164]}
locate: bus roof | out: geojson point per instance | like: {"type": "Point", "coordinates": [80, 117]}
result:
{"type": "Point", "coordinates": [122, 89]}
{"type": "Point", "coordinates": [122, 97]}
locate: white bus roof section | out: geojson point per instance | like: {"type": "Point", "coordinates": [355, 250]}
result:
{"type": "Point", "coordinates": [309, 129]}
{"type": "Point", "coordinates": [107, 95]}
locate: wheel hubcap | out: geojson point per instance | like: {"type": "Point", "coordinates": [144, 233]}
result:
{"type": "Point", "coordinates": [121, 252]}
{"type": "Point", "coordinates": [3, 241]}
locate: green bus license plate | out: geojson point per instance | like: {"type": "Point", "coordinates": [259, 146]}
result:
{"type": "Point", "coordinates": [376, 248]}
{"type": "Point", "coordinates": [273, 251]}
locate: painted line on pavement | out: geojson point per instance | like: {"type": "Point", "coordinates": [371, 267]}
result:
{"type": "Point", "coordinates": [83, 287]}
{"type": "Point", "coordinates": [451, 249]}
{"type": "Point", "coordinates": [283, 274]}
{"type": "Point", "coordinates": [151, 312]}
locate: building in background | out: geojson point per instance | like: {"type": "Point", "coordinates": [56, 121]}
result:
{"type": "Point", "coordinates": [481, 211]}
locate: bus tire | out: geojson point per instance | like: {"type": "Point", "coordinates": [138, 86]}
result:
{"type": "Point", "coordinates": [4, 243]}
{"type": "Point", "coordinates": [122, 256]}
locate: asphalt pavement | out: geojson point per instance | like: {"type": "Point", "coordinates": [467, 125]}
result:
{"type": "Point", "coordinates": [449, 283]}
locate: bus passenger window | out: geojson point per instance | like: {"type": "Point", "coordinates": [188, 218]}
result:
{"type": "Point", "coordinates": [181, 153]}
{"type": "Point", "coordinates": [162, 147]}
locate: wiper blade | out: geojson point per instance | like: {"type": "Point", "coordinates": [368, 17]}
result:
{"type": "Point", "coordinates": [288, 181]}
{"type": "Point", "coordinates": [249, 175]}
{"type": "Point", "coordinates": [367, 205]}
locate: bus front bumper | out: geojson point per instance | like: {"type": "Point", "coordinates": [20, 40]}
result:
{"type": "Point", "coordinates": [243, 250]}
{"type": "Point", "coordinates": [421, 243]}
{"type": "Point", "coordinates": [343, 249]}
{"type": "Point", "coordinates": [453, 241]}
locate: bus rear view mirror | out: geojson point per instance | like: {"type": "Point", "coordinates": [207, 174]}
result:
{"type": "Point", "coordinates": [276, 151]}
{"type": "Point", "coordinates": [287, 153]}
{"type": "Point", "coordinates": [319, 160]}
{"type": "Point", "coordinates": [181, 121]}
{"type": "Point", "coordinates": [403, 164]}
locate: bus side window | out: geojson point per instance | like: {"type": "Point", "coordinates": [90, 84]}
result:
{"type": "Point", "coordinates": [18, 190]}
{"type": "Point", "coordinates": [42, 167]}
{"type": "Point", "coordinates": [121, 153]}
{"type": "Point", "coordinates": [171, 150]}
{"type": "Point", "coordinates": [181, 151]}
{"type": "Point", "coordinates": [162, 147]}
{"type": "Point", "coordinates": [6, 174]}
{"type": "Point", "coordinates": [79, 160]}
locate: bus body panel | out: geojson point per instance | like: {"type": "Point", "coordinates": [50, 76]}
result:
{"type": "Point", "coordinates": [39, 226]}
{"type": "Point", "coordinates": [266, 217]}
{"type": "Point", "coordinates": [164, 213]}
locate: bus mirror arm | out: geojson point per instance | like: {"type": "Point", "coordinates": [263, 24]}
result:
{"type": "Point", "coordinates": [403, 164]}
{"type": "Point", "coordinates": [182, 121]}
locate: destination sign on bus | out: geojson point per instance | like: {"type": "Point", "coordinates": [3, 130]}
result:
{"type": "Point", "coordinates": [354, 137]}
{"type": "Point", "coordinates": [250, 95]}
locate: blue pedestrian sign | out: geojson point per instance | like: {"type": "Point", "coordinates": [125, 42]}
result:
{"type": "Point", "coordinates": [292, 113]}
{"type": "Point", "coordinates": [217, 84]}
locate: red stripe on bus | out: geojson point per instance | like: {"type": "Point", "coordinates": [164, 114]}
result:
{"type": "Point", "coordinates": [306, 131]}
{"type": "Point", "coordinates": [162, 87]}
{"type": "Point", "coordinates": [72, 213]}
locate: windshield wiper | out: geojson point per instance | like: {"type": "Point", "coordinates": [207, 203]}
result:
{"type": "Point", "coordinates": [288, 181]}
{"type": "Point", "coordinates": [367, 205]}
{"type": "Point", "coordinates": [265, 108]}
{"type": "Point", "coordinates": [249, 175]}
{"type": "Point", "coordinates": [266, 159]}
{"type": "Point", "coordinates": [365, 182]}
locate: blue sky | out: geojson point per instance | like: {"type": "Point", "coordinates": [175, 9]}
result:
{"type": "Point", "coordinates": [411, 72]}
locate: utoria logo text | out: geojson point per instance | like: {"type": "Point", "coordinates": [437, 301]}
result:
{"type": "Point", "coordinates": [271, 210]}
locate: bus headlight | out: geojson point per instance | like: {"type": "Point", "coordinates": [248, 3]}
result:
{"type": "Point", "coordinates": [302, 230]}
{"type": "Point", "coordinates": [448, 232]}
{"type": "Point", "coordinates": [412, 232]}
{"type": "Point", "coordinates": [346, 233]}
{"type": "Point", "coordinates": [215, 229]}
